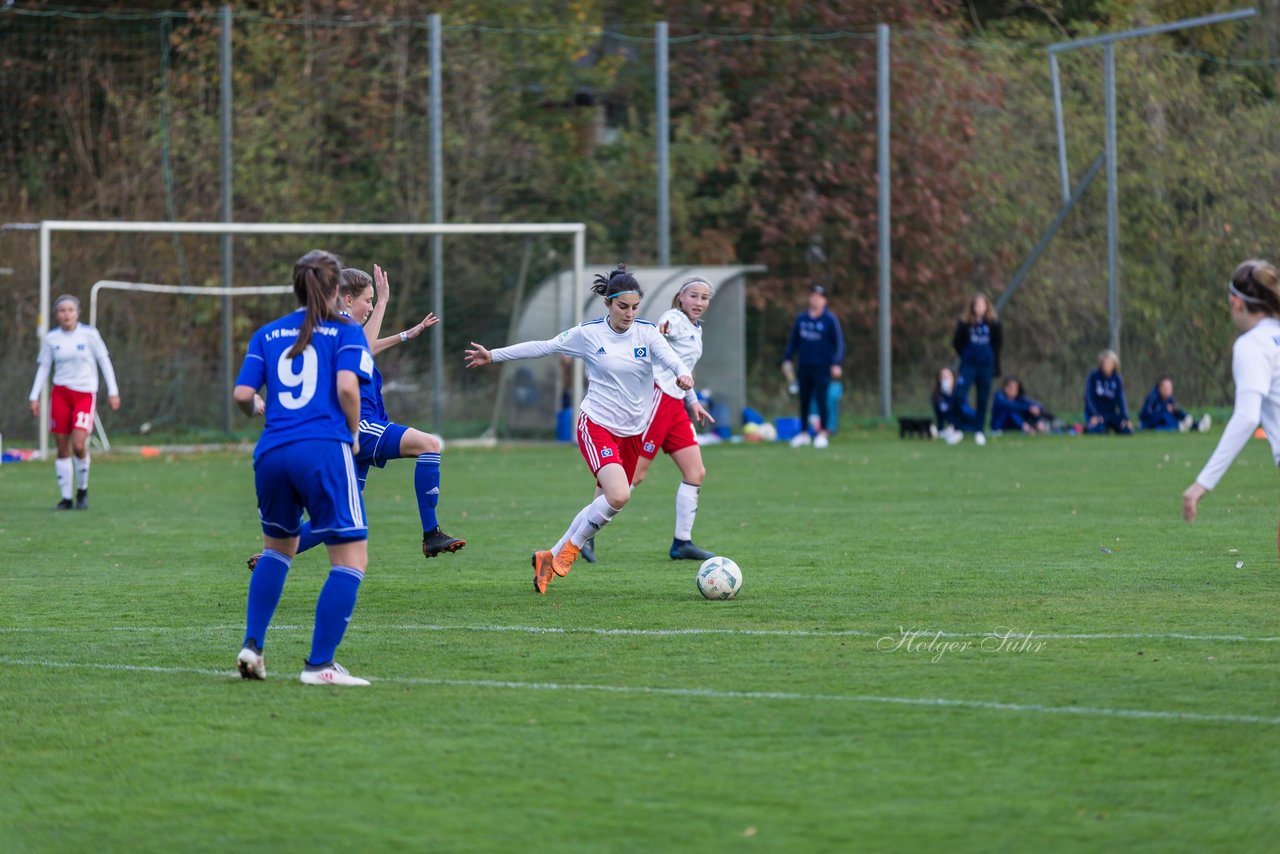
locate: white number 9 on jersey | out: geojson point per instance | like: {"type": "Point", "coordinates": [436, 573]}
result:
{"type": "Point", "coordinates": [302, 384]}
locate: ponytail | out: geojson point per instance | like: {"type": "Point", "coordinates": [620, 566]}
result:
{"type": "Point", "coordinates": [315, 284]}
{"type": "Point", "coordinates": [617, 282]}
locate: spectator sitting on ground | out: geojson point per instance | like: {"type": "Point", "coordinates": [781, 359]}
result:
{"type": "Point", "coordinates": [1013, 411]}
{"type": "Point", "coordinates": [1161, 412]}
{"type": "Point", "coordinates": [953, 416]}
{"type": "Point", "coordinates": [1104, 404]}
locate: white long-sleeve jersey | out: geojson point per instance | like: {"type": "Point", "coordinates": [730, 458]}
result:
{"type": "Point", "coordinates": [685, 338]}
{"type": "Point", "coordinates": [1255, 366]}
{"type": "Point", "coordinates": [74, 357]}
{"type": "Point", "coordinates": [620, 369]}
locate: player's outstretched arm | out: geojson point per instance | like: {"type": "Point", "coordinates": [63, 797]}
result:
{"type": "Point", "coordinates": [408, 335]}
{"type": "Point", "coordinates": [478, 356]}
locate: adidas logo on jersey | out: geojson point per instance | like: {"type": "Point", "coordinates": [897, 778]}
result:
{"type": "Point", "coordinates": [600, 352]}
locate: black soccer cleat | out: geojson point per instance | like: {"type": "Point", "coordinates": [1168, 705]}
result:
{"type": "Point", "coordinates": [588, 552]}
{"type": "Point", "coordinates": [82, 499]}
{"type": "Point", "coordinates": [438, 542]}
{"type": "Point", "coordinates": [686, 550]}
{"type": "Point", "coordinates": [64, 504]}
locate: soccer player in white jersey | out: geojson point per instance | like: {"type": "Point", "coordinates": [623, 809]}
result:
{"type": "Point", "coordinates": [74, 352]}
{"type": "Point", "coordinates": [1254, 296]}
{"type": "Point", "coordinates": [620, 352]}
{"type": "Point", "coordinates": [670, 429]}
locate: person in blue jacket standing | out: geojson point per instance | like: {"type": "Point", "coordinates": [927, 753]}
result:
{"type": "Point", "coordinates": [1104, 404]}
{"type": "Point", "coordinates": [813, 356]}
{"type": "Point", "coordinates": [977, 341]}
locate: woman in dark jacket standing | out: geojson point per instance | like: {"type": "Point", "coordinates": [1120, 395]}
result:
{"type": "Point", "coordinates": [977, 342]}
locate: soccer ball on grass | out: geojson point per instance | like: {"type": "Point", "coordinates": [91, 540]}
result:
{"type": "Point", "coordinates": [719, 578]}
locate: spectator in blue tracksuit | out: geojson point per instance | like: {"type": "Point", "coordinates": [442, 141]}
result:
{"type": "Point", "coordinates": [950, 410]}
{"type": "Point", "coordinates": [813, 356]}
{"type": "Point", "coordinates": [1104, 405]}
{"type": "Point", "coordinates": [1013, 411]}
{"type": "Point", "coordinates": [1160, 411]}
{"type": "Point", "coordinates": [977, 342]}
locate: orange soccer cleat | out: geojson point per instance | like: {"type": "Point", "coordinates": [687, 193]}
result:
{"type": "Point", "coordinates": [542, 573]}
{"type": "Point", "coordinates": [564, 560]}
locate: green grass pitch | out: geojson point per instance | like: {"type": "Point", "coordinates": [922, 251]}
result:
{"type": "Point", "coordinates": [622, 712]}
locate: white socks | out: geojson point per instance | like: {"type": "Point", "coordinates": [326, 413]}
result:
{"type": "Point", "coordinates": [82, 470]}
{"type": "Point", "coordinates": [598, 514]}
{"type": "Point", "coordinates": [686, 509]}
{"type": "Point", "coordinates": [62, 468]}
{"type": "Point", "coordinates": [573, 526]}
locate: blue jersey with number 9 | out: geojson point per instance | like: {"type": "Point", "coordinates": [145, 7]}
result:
{"type": "Point", "coordinates": [302, 391]}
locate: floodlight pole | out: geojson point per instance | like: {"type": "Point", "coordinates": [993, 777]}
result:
{"type": "Point", "coordinates": [224, 40]}
{"type": "Point", "coordinates": [882, 162]}
{"type": "Point", "coordinates": [437, 217]}
{"type": "Point", "coordinates": [1107, 42]}
{"type": "Point", "coordinates": [664, 143]}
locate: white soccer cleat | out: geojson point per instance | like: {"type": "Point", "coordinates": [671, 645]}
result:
{"type": "Point", "coordinates": [1205, 423]}
{"type": "Point", "coordinates": [952, 436]}
{"type": "Point", "coordinates": [333, 674]}
{"type": "Point", "coordinates": [1188, 421]}
{"type": "Point", "coordinates": [821, 441]}
{"type": "Point", "coordinates": [801, 439]}
{"type": "Point", "coordinates": [980, 438]}
{"type": "Point", "coordinates": [251, 664]}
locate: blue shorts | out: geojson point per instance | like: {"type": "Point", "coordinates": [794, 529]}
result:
{"type": "Point", "coordinates": [316, 475]}
{"type": "Point", "coordinates": [379, 442]}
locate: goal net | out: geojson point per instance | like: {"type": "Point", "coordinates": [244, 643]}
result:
{"type": "Point", "coordinates": [161, 310]}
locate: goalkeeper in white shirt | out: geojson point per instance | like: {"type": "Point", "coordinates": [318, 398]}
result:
{"type": "Point", "coordinates": [620, 352]}
{"type": "Point", "coordinates": [1254, 296]}
{"type": "Point", "coordinates": [74, 353]}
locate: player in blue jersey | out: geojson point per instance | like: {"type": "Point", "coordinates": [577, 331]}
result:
{"type": "Point", "coordinates": [977, 341]}
{"type": "Point", "coordinates": [1104, 404]}
{"type": "Point", "coordinates": [620, 352]}
{"type": "Point", "coordinates": [812, 360]}
{"type": "Point", "coordinates": [364, 299]}
{"type": "Point", "coordinates": [311, 363]}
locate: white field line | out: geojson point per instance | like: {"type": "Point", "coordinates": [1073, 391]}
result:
{"type": "Point", "coordinates": [708, 693]}
{"type": "Point", "coordinates": [683, 632]}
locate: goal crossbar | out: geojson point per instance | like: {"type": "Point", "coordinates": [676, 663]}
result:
{"type": "Point", "coordinates": [47, 229]}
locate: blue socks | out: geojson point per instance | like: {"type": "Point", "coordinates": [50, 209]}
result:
{"type": "Point", "coordinates": [426, 483]}
{"type": "Point", "coordinates": [333, 612]}
{"type": "Point", "coordinates": [264, 594]}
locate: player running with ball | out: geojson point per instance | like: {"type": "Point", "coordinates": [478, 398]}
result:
{"type": "Point", "coordinates": [670, 429]}
{"type": "Point", "coordinates": [620, 352]}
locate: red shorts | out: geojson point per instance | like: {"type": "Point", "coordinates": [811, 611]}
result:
{"type": "Point", "coordinates": [669, 428]}
{"type": "Point", "coordinates": [70, 410]}
{"type": "Point", "coordinates": [599, 447]}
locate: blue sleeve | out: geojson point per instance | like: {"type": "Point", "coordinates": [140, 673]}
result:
{"type": "Point", "coordinates": [353, 352]}
{"type": "Point", "coordinates": [1150, 407]}
{"type": "Point", "coordinates": [253, 370]}
{"type": "Point", "coordinates": [837, 345]}
{"type": "Point", "coordinates": [1090, 406]}
{"type": "Point", "coordinates": [1124, 406]}
{"type": "Point", "coordinates": [793, 341]}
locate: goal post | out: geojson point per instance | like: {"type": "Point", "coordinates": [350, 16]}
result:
{"type": "Point", "coordinates": [48, 228]}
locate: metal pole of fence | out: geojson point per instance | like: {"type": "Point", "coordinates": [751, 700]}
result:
{"type": "Point", "coordinates": [882, 139]}
{"type": "Point", "coordinates": [579, 290]}
{"type": "Point", "coordinates": [664, 134]}
{"type": "Point", "coordinates": [1060, 125]}
{"type": "Point", "coordinates": [42, 326]}
{"type": "Point", "coordinates": [1113, 236]}
{"type": "Point", "coordinates": [224, 40]}
{"type": "Point", "coordinates": [437, 217]}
